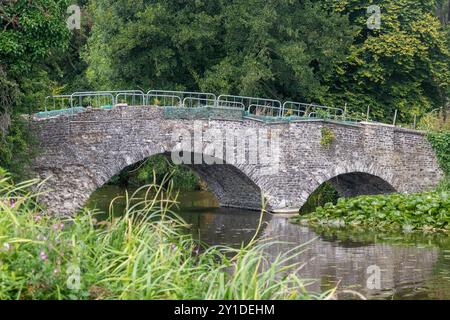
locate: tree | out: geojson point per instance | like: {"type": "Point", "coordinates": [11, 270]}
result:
{"type": "Point", "coordinates": [283, 49]}
{"type": "Point", "coordinates": [404, 65]}
{"type": "Point", "coordinates": [270, 48]}
{"type": "Point", "coordinates": [65, 66]}
{"type": "Point", "coordinates": [159, 44]}
{"type": "Point", "coordinates": [311, 51]}
{"type": "Point", "coordinates": [443, 11]}
{"type": "Point", "coordinates": [31, 30]}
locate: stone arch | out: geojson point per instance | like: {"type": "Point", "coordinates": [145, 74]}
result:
{"type": "Point", "coordinates": [229, 184]}
{"type": "Point", "coordinates": [359, 183]}
{"type": "Point", "coordinates": [354, 183]}
{"type": "Point", "coordinates": [367, 179]}
{"type": "Point", "coordinates": [232, 187]}
{"type": "Point", "coordinates": [74, 184]}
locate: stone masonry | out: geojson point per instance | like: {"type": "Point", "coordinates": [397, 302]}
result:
{"type": "Point", "coordinates": [79, 153]}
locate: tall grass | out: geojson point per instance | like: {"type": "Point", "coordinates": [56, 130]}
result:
{"type": "Point", "coordinates": [435, 122]}
{"type": "Point", "coordinates": [144, 254]}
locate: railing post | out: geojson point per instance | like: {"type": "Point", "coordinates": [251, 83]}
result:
{"type": "Point", "coordinates": [368, 112]}
{"type": "Point", "coordinates": [444, 115]}
{"type": "Point", "coordinates": [395, 117]}
{"type": "Point", "coordinates": [345, 112]}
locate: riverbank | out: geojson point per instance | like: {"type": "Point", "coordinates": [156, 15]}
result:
{"type": "Point", "coordinates": [141, 255]}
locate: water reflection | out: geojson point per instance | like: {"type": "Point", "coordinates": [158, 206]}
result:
{"type": "Point", "coordinates": [406, 270]}
{"type": "Point", "coordinates": [222, 226]}
{"type": "Point", "coordinates": [411, 266]}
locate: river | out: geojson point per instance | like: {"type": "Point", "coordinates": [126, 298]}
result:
{"type": "Point", "coordinates": [411, 266]}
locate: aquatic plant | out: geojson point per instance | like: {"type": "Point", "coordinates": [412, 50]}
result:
{"type": "Point", "coordinates": [324, 194]}
{"type": "Point", "coordinates": [408, 212]}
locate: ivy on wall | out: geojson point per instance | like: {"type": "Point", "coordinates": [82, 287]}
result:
{"type": "Point", "coordinates": [441, 145]}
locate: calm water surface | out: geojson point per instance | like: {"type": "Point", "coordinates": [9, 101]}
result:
{"type": "Point", "coordinates": [412, 266]}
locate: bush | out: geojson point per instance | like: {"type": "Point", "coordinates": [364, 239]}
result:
{"type": "Point", "coordinates": [444, 185]}
{"type": "Point", "coordinates": [16, 149]}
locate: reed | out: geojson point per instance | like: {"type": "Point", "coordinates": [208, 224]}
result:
{"type": "Point", "coordinates": [142, 254]}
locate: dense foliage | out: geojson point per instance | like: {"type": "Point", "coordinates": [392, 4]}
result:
{"type": "Point", "coordinates": [409, 212]}
{"type": "Point", "coordinates": [327, 138]}
{"type": "Point", "coordinates": [403, 65]}
{"type": "Point", "coordinates": [303, 50]}
{"type": "Point", "coordinates": [269, 48]}
{"type": "Point", "coordinates": [30, 34]}
{"type": "Point", "coordinates": [141, 255]}
{"type": "Point", "coordinates": [441, 145]}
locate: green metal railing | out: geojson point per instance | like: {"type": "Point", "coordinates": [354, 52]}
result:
{"type": "Point", "coordinates": [253, 107]}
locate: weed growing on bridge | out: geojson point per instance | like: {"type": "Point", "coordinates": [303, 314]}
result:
{"type": "Point", "coordinates": [327, 138]}
{"type": "Point", "coordinates": [141, 255]}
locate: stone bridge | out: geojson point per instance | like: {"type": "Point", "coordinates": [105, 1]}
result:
{"type": "Point", "coordinates": [81, 152]}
